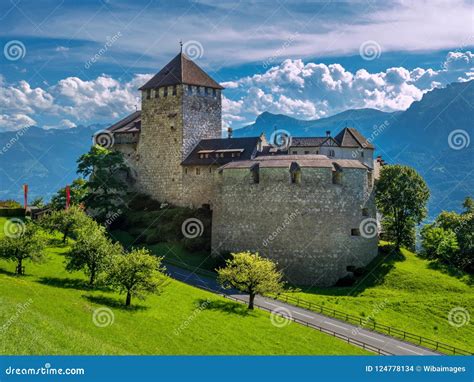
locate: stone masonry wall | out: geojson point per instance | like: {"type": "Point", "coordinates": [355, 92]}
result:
{"type": "Point", "coordinates": [305, 227]}
{"type": "Point", "coordinates": [199, 185]}
{"type": "Point", "coordinates": [171, 127]}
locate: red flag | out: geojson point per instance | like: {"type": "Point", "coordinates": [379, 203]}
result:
{"type": "Point", "coordinates": [25, 192]}
{"type": "Point", "coordinates": [68, 196]}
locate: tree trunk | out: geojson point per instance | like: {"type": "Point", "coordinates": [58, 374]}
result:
{"type": "Point", "coordinates": [19, 267]}
{"type": "Point", "coordinates": [251, 298]}
{"type": "Point", "coordinates": [128, 301]}
{"type": "Point", "coordinates": [92, 278]}
{"type": "Point", "coordinates": [65, 236]}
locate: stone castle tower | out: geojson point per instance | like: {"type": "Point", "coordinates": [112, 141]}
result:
{"type": "Point", "coordinates": [181, 105]}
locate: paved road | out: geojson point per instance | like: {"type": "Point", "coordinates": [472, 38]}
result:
{"type": "Point", "coordinates": [377, 340]}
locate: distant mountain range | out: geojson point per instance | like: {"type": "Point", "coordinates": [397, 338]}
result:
{"type": "Point", "coordinates": [433, 136]}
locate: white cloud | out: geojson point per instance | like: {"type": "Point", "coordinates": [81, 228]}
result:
{"type": "Point", "coordinates": [63, 124]}
{"type": "Point", "coordinates": [13, 122]}
{"type": "Point", "coordinates": [312, 90]}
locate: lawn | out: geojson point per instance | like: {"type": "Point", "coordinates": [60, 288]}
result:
{"type": "Point", "coordinates": [408, 293]}
{"type": "Point", "coordinates": [50, 311]}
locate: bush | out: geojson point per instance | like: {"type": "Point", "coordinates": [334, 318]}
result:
{"type": "Point", "coordinates": [9, 203]}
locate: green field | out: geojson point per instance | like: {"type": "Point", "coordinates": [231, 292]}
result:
{"type": "Point", "coordinates": [408, 293]}
{"type": "Point", "coordinates": [50, 311]}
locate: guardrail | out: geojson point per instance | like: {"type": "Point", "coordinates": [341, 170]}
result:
{"type": "Point", "coordinates": [347, 339]}
{"type": "Point", "coordinates": [372, 325]}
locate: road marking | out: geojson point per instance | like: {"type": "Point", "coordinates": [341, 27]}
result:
{"type": "Point", "coordinates": [302, 314]}
{"type": "Point", "coordinates": [338, 326]}
{"type": "Point", "coordinates": [376, 339]}
{"type": "Point", "coordinates": [401, 347]}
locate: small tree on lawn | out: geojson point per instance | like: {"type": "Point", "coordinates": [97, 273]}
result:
{"type": "Point", "coordinates": [25, 242]}
{"type": "Point", "coordinates": [65, 221]}
{"type": "Point", "coordinates": [92, 251]}
{"type": "Point", "coordinates": [78, 192]}
{"type": "Point", "coordinates": [439, 243]}
{"type": "Point", "coordinates": [104, 171]}
{"type": "Point", "coordinates": [136, 273]}
{"type": "Point", "coordinates": [401, 196]}
{"type": "Point", "coordinates": [252, 274]}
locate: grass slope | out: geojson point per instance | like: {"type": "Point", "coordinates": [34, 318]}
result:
{"type": "Point", "coordinates": [55, 317]}
{"type": "Point", "coordinates": [408, 293]}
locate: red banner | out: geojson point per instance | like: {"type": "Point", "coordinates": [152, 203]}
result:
{"type": "Point", "coordinates": [25, 192]}
{"type": "Point", "coordinates": [68, 196]}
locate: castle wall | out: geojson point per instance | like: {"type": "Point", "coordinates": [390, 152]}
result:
{"type": "Point", "coordinates": [305, 227]}
{"type": "Point", "coordinates": [199, 185]}
{"type": "Point", "coordinates": [339, 152]}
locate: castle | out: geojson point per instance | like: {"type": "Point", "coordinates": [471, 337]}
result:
{"type": "Point", "coordinates": [303, 202]}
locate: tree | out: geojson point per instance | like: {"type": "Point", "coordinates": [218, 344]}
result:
{"type": "Point", "coordinates": [252, 274]}
{"type": "Point", "coordinates": [104, 170]}
{"type": "Point", "coordinates": [38, 202]}
{"type": "Point", "coordinates": [439, 243]}
{"type": "Point", "coordinates": [78, 192]}
{"type": "Point", "coordinates": [65, 221]}
{"type": "Point", "coordinates": [401, 196]}
{"type": "Point", "coordinates": [92, 251]}
{"type": "Point", "coordinates": [136, 273]}
{"type": "Point", "coordinates": [463, 227]}
{"type": "Point", "coordinates": [25, 243]}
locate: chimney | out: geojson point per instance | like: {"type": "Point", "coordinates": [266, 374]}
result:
{"type": "Point", "coordinates": [229, 132]}
{"type": "Point", "coordinates": [328, 133]}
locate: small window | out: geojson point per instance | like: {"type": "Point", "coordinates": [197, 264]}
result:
{"type": "Point", "coordinates": [198, 171]}
{"type": "Point", "coordinates": [295, 152]}
{"type": "Point", "coordinates": [210, 170]}
{"type": "Point", "coordinates": [331, 153]}
{"type": "Point", "coordinates": [362, 154]}
{"type": "Point", "coordinates": [355, 232]}
{"type": "Point", "coordinates": [157, 93]}
{"type": "Point", "coordinates": [336, 174]}
{"type": "Point", "coordinates": [306, 152]}
{"type": "Point", "coordinates": [201, 156]}
{"type": "Point", "coordinates": [206, 91]}
{"type": "Point", "coordinates": [172, 127]}
{"type": "Point", "coordinates": [185, 170]}
{"type": "Point", "coordinates": [213, 92]}
{"type": "Point", "coordinates": [190, 89]}
{"type": "Point", "coordinates": [206, 156]}
{"type": "Point", "coordinates": [369, 178]}
{"type": "Point", "coordinates": [198, 90]}
{"type": "Point", "coordinates": [233, 155]}
{"type": "Point", "coordinates": [175, 90]}
{"type": "Point", "coordinates": [148, 93]}
{"type": "Point", "coordinates": [165, 91]}
{"type": "Point", "coordinates": [365, 212]}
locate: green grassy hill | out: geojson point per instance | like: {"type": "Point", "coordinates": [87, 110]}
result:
{"type": "Point", "coordinates": [50, 311]}
{"type": "Point", "coordinates": [408, 293]}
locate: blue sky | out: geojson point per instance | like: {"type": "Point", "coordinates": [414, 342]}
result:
{"type": "Point", "coordinates": [307, 59]}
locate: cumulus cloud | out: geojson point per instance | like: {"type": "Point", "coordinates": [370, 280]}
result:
{"type": "Point", "coordinates": [312, 90]}
{"type": "Point", "coordinates": [295, 88]}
